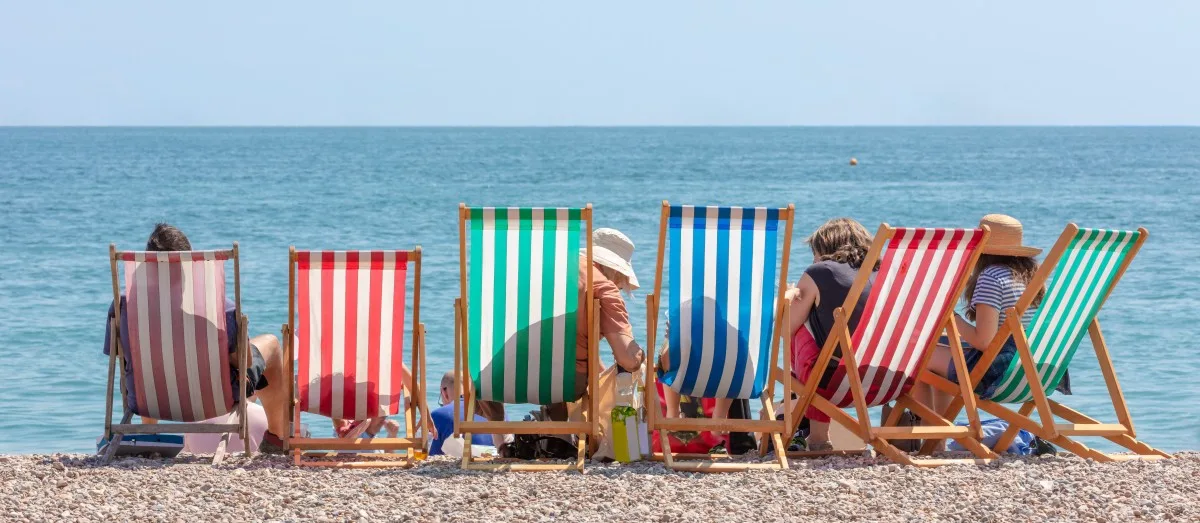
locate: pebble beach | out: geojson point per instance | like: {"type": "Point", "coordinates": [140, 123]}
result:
{"type": "Point", "coordinates": [72, 487]}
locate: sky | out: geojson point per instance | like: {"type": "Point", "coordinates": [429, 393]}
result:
{"type": "Point", "coordinates": [656, 62]}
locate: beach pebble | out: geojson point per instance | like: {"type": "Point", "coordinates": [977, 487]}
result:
{"type": "Point", "coordinates": [864, 489]}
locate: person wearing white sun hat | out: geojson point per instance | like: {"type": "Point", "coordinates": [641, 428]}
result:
{"type": "Point", "coordinates": [612, 251]}
{"type": "Point", "coordinates": [612, 274]}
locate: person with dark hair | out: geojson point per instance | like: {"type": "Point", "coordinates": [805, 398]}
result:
{"type": "Point", "coordinates": [997, 281]}
{"type": "Point", "coordinates": [839, 248]}
{"type": "Point", "coordinates": [265, 379]}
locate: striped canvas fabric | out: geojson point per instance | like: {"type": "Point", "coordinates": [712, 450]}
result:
{"type": "Point", "coordinates": [1081, 279]}
{"type": "Point", "coordinates": [178, 338]}
{"type": "Point", "coordinates": [913, 291]}
{"type": "Point", "coordinates": [723, 282]}
{"type": "Point", "coordinates": [350, 332]}
{"type": "Point", "coordinates": [523, 301]}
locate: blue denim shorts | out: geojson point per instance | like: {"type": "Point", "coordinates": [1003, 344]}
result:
{"type": "Point", "coordinates": [991, 378]}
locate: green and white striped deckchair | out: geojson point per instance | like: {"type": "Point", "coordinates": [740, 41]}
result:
{"type": "Point", "coordinates": [518, 316]}
{"type": "Point", "coordinates": [1081, 271]}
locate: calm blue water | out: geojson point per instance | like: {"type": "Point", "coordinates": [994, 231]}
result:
{"type": "Point", "coordinates": [65, 194]}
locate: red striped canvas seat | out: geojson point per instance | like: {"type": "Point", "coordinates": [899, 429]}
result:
{"type": "Point", "coordinates": [178, 337]}
{"type": "Point", "coordinates": [350, 332]}
{"type": "Point", "coordinates": [912, 292]}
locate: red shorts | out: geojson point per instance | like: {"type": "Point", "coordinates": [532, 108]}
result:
{"type": "Point", "coordinates": [804, 355]}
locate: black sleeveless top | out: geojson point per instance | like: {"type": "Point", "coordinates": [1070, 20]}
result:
{"type": "Point", "coordinates": [834, 280]}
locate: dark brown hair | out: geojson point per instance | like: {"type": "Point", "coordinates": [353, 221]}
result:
{"type": "Point", "coordinates": [166, 238]}
{"type": "Point", "coordinates": [1023, 268]}
{"type": "Point", "coordinates": [842, 240]}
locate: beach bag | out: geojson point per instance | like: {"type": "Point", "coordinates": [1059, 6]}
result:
{"type": "Point", "coordinates": [622, 419]}
{"type": "Point", "coordinates": [687, 442]}
{"type": "Point", "coordinates": [907, 419]}
{"type": "Point", "coordinates": [1022, 445]}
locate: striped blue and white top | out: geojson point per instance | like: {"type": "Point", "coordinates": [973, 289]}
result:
{"type": "Point", "coordinates": [996, 287]}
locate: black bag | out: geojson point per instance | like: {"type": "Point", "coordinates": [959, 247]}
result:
{"type": "Point", "coordinates": [907, 419]}
{"type": "Point", "coordinates": [537, 446]}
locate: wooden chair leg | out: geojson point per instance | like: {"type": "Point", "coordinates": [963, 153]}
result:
{"type": "Point", "coordinates": [111, 450]}
{"type": "Point", "coordinates": [1137, 446]}
{"type": "Point", "coordinates": [219, 454]}
{"type": "Point", "coordinates": [665, 441]}
{"type": "Point", "coordinates": [582, 444]}
{"type": "Point", "coordinates": [1011, 432]}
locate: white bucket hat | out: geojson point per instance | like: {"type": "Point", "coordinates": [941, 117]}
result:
{"type": "Point", "coordinates": [612, 249]}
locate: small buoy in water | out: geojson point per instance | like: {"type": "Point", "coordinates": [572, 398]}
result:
{"type": "Point", "coordinates": [854, 161]}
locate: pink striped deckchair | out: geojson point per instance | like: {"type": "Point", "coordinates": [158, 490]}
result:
{"type": "Point", "coordinates": [345, 330]}
{"type": "Point", "coordinates": [173, 336]}
{"type": "Point", "coordinates": [921, 273]}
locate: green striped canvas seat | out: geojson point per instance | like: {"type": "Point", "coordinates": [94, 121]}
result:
{"type": "Point", "coordinates": [1081, 280]}
{"type": "Point", "coordinates": [523, 303]}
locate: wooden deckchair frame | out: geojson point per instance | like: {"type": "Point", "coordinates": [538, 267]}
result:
{"type": "Point", "coordinates": [879, 436]}
{"type": "Point", "coordinates": [771, 426]}
{"type": "Point", "coordinates": [1122, 433]}
{"type": "Point", "coordinates": [414, 395]}
{"type": "Point", "coordinates": [465, 424]}
{"type": "Point", "coordinates": [115, 432]}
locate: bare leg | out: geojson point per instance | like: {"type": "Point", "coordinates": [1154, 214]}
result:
{"type": "Point", "coordinates": [671, 399]}
{"type": "Point", "coordinates": [818, 432]}
{"type": "Point", "coordinates": [721, 411]}
{"type": "Point", "coordinates": [274, 396]}
{"type": "Point", "coordinates": [935, 399]}
{"type": "Point", "coordinates": [493, 411]}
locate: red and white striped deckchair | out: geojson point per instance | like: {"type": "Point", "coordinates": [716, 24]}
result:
{"type": "Point", "coordinates": [174, 336]}
{"type": "Point", "coordinates": [921, 274]}
{"type": "Point", "coordinates": [345, 330]}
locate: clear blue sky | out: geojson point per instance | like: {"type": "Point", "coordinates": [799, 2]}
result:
{"type": "Point", "coordinates": [650, 62]}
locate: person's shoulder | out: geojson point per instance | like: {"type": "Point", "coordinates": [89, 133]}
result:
{"type": "Point", "coordinates": [826, 269]}
{"type": "Point", "coordinates": [823, 267]}
{"type": "Point", "coordinates": [997, 273]}
{"type": "Point", "coordinates": [602, 285]}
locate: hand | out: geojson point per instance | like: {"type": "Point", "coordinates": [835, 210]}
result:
{"type": "Point", "coordinates": [792, 293]}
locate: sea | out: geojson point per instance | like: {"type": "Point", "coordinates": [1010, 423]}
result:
{"type": "Point", "coordinates": [67, 193]}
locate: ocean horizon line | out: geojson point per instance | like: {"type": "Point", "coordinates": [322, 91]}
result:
{"type": "Point", "coordinates": [608, 126]}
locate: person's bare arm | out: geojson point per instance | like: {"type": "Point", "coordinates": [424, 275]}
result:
{"type": "Point", "coordinates": [626, 351]}
{"type": "Point", "coordinates": [804, 297]}
{"type": "Point", "coordinates": [987, 323]}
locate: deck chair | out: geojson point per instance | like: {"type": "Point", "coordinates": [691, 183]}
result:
{"type": "Point", "coordinates": [1082, 269]}
{"type": "Point", "coordinates": [345, 331]}
{"type": "Point", "coordinates": [177, 345]}
{"type": "Point", "coordinates": [921, 274]}
{"type": "Point", "coordinates": [724, 302]}
{"type": "Point", "coordinates": [516, 322]}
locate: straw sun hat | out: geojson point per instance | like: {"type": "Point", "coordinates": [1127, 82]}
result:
{"type": "Point", "coordinates": [612, 249]}
{"type": "Point", "coordinates": [1006, 238]}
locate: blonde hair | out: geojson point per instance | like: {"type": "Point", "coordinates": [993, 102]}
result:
{"type": "Point", "coordinates": [843, 240]}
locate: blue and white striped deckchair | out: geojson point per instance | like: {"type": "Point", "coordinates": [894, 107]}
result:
{"type": "Point", "coordinates": [727, 268]}
{"type": "Point", "coordinates": [1079, 272]}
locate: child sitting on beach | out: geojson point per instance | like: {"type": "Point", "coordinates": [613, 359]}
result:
{"type": "Point", "coordinates": [839, 248]}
